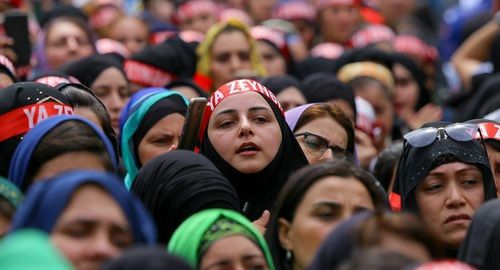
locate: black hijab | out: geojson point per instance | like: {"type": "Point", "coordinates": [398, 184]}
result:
{"type": "Point", "coordinates": [416, 163]}
{"type": "Point", "coordinates": [175, 185]}
{"type": "Point", "coordinates": [323, 87]}
{"type": "Point", "coordinates": [279, 83]}
{"type": "Point", "coordinates": [20, 109]}
{"type": "Point", "coordinates": [418, 75]}
{"type": "Point", "coordinates": [87, 70]}
{"type": "Point", "coordinates": [257, 191]}
{"type": "Point", "coordinates": [480, 247]}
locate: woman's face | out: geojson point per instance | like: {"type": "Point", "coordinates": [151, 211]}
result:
{"type": "Point", "coordinates": [92, 229]}
{"type": "Point", "coordinates": [245, 132]}
{"type": "Point", "coordinates": [290, 98]}
{"type": "Point", "coordinates": [327, 202]}
{"type": "Point", "coordinates": [199, 22]}
{"type": "Point", "coordinates": [161, 138]}
{"type": "Point", "coordinates": [382, 104]}
{"type": "Point", "coordinates": [69, 161]}
{"type": "Point", "coordinates": [406, 91]}
{"type": "Point", "coordinates": [66, 42]}
{"type": "Point", "coordinates": [448, 198]}
{"type": "Point", "coordinates": [90, 115]}
{"type": "Point", "coordinates": [132, 33]}
{"type": "Point", "coordinates": [233, 252]}
{"type": "Point", "coordinates": [326, 128]}
{"type": "Point", "coordinates": [112, 88]}
{"type": "Point", "coordinates": [338, 23]}
{"type": "Point", "coordinates": [273, 61]}
{"type": "Point", "coordinates": [230, 55]}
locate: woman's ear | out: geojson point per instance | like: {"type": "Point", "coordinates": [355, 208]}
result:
{"type": "Point", "coordinates": [284, 228]}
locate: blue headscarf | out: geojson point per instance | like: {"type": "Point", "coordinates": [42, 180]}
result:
{"type": "Point", "coordinates": [46, 201]}
{"type": "Point", "coordinates": [135, 100]}
{"type": "Point", "coordinates": [132, 124]}
{"type": "Point", "coordinates": [24, 151]}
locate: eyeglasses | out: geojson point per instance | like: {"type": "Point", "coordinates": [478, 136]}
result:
{"type": "Point", "coordinates": [317, 145]}
{"type": "Point", "coordinates": [459, 132]}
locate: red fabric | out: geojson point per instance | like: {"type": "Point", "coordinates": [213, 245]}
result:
{"type": "Point", "coordinates": [489, 131]}
{"type": "Point", "coordinates": [233, 88]}
{"type": "Point", "coordinates": [372, 16]}
{"type": "Point", "coordinates": [372, 34]}
{"type": "Point", "coordinates": [205, 82]}
{"type": "Point", "coordinates": [21, 120]}
{"type": "Point", "coordinates": [146, 75]}
{"type": "Point", "coordinates": [296, 10]}
{"type": "Point", "coordinates": [395, 201]}
{"type": "Point", "coordinates": [195, 7]}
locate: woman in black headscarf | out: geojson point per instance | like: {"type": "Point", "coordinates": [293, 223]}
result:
{"type": "Point", "coordinates": [287, 90]}
{"type": "Point", "coordinates": [178, 184]}
{"type": "Point", "coordinates": [443, 176]}
{"type": "Point", "coordinates": [244, 133]}
{"type": "Point", "coordinates": [22, 106]}
{"type": "Point", "coordinates": [480, 247]}
{"type": "Point", "coordinates": [325, 87]}
{"type": "Point", "coordinates": [103, 74]}
{"type": "Point", "coordinates": [410, 96]}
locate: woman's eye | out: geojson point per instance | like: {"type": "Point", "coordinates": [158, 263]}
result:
{"type": "Point", "coordinates": [470, 182]}
{"type": "Point", "coordinates": [225, 124]}
{"type": "Point", "coordinates": [261, 119]}
{"type": "Point", "coordinates": [433, 188]}
{"type": "Point", "coordinates": [222, 58]}
{"type": "Point", "coordinates": [76, 231]}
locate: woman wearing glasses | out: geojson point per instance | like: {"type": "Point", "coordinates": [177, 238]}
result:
{"type": "Point", "coordinates": [444, 176]}
{"type": "Point", "coordinates": [322, 130]}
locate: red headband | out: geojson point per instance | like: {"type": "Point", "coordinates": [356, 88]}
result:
{"type": "Point", "coordinates": [146, 75]}
{"type": "Point", "coordinates": [233, 88]}
{"type": "Point", "coordinates": [21, 120]}
{"type": "Point", "coordinates": [195, 7]}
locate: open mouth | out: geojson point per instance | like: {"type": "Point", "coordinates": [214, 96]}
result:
{"type": "Point", "coordinates": [249, 147]}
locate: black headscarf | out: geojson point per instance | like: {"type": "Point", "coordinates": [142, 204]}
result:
{"type": "Point", "coordinates": [323, 87]}
{"type": "Point", "coordinates": [480, 247]}
{"type": "Point", "coordinates": [486, 92]}
{"type": "Point", "coordinates": [312, 65]}
{"type": "Point", "coordinates": [188, 83]}
{"type": "Point", "coordinates": [340, 243]}
{"type": "Point", "coordinates": [416, 163]}
{"type": "Point", "coordinates": [279, 83]}
{"type": "Point", "coordinates": [174, 56]}
{"type": "Point", "coordinates": [178, 184]}
{"type": "Point", "coordinates": [418, 75]}
{"type": "Point", "coordinates": [258, 191]}
{"type": "Point", "coordinates": [18, 102]}
{"type": "Point", "coordinates": [144, 257]}
{"type": "Point", "coordinates": [86, 70]}
{"type": "Point", "coordinates": [161, 109]}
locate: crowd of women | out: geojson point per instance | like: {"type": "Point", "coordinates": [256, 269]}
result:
{"type": "Point", "coordinates": [337, 134]}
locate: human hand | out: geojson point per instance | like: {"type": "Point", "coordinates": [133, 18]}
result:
{"type": "Point", "coordinates": [365, 149]}
{"type": "Point", "coordinates": [428, 113]}
{"type": "Point", "coordinates": [261, 223]}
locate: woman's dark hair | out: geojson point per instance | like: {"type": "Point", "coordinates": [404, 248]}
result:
{"type": "Point", "coordinates": [68, 137]}
{"type": "Point", "coordinates": [79, 95]}
{"type": "Point", "coordinates": [363, 81]}
{"type": "Point", "coordinates": [387, 161]}
{"type": "Point", "coordinates": [371, 232]}
{"type": "Point", "coordinates": [327, 110]}
{"type": "Point", "coordinates": [296, 188]}
{"type": "Point", "coordinates": [377, 259]}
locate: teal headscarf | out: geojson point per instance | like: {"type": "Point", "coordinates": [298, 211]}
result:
{"type": "Point", "coordinates": [30, 249]}
{"type": "Point", "coordinates": [130, 128]}
{"type": "Point", "coordinates": [197, 232]}
{"type": "Point", "coordinates": [10, 192]}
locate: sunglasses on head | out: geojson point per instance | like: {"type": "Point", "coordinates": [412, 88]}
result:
{"type": "Point", "coordinates": [317, 145]}
{"type": "Point", "coordinates": [461, 132]}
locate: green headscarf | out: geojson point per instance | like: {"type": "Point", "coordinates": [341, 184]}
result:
{"type": "Point", "coordinates": [130, 128]}
{"type": "Point", "coordinates": [10, 192]}
{"type": "Point", "coordinates": [194, 235]}
{"type": "Point", "coordinates": [30, 249]}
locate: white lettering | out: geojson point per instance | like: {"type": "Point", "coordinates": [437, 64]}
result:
{"type": "Point", "coordinates": [30, 113]}
{"type": "Point", "coordinates": [232, 87]}
{"type": "Point", "coordinates": [42, 114]}
{"type": "Point", "coordinates": [218, 97]}
{"type": "Point", "coordinates": [497, 134]}
{"type": "Point", "coordinates": [243, 85]}
{"type": "Point", "coordinates": [59, 109]}
{"type": "Point", "coordinates": [210, 103]}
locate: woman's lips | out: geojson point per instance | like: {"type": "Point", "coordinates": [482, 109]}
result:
{"type": "Point", "coordinates": [457, 219]}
